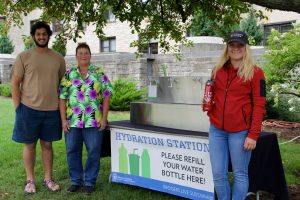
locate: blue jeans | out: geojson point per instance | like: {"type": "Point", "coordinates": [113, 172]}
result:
{"type": "Point", "coordinates": [223, 146]}
{"type": "Point", "coordinates": [92, 138]}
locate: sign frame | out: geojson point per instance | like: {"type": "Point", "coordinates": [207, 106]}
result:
{"type": "Point", "coordinates": [174, 164]}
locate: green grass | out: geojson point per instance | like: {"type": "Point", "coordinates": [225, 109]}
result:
{"type": "Point", "coordinates": [290, 155]}
{"type": "Point", "coordinates": [12, 175]}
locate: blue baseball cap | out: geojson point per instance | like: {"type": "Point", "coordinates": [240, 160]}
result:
{"type": "Point", "coordinates": [238, 36]}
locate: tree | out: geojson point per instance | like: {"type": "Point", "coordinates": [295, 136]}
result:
{"type": "Point", "coordinates": [6, 45]}
{"type": "Point", "coordinates": [204, 26]}
{"type": "Point", "coordinates": [164, 19]}
{"type": "Point", "coordinates": [254, 30]}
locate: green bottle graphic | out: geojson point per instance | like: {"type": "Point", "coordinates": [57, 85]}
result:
{"type": "Point", "coordinates": [134, 161]}
{"type": "Point", "coordinates": [145, 164]}
{"type": "Point", "coordinates": [123, 161]}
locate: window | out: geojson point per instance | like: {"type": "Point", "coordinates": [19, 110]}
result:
{"type": "Point", "coordinates": [109, 16]}
{"type": "Point", "coordinates": [108, 45]}
{"type": "Point", "coordinates": [285, 28]}
{"type": "Point", "coordinates": [151, 48]}
{"type": "Point", "coordinates": [282, 27]}
{"type": "Point", "coordinates": [57, 26]}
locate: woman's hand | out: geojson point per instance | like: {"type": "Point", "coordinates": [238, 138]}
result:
{"type": "Point", "coordinates": [102, 124]}
{"type": "Point", "coordinates": [65, 126]}
{"type": "Point", "coordinates": [249, 144]}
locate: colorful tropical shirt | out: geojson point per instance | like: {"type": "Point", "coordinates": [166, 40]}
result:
{"type": "Point", "coordinates": [84, 96]}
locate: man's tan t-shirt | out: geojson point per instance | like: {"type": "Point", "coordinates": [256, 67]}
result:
{"type": "Point", "coordinates": [41, 73]}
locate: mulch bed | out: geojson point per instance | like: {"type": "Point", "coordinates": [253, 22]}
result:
{"type": "Point", "coordinates": [284, 130]}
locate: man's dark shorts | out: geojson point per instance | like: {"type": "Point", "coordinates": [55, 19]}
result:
{"type": "Point", "coordinates": [31, 125]}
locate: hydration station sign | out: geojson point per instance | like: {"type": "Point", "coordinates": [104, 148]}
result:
{"type": "Point", "coordinates": [174, 164]}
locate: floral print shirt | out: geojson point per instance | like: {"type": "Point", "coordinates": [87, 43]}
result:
{"type": "Point", "coordinates": [84, 96]}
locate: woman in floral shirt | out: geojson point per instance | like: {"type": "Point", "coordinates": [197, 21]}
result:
{"type": "Point", "coordinates": [84, 103]}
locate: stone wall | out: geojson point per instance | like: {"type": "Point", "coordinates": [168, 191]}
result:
{"type": "Point", "coordinates": [118, 65]}
{"type": "Point", "coordinates": [6, 63]}
{"type": "Point", "coordinates": [194, 61]}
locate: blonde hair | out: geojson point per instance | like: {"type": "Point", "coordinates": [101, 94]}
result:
{"type": "Point", "coordinates": [245, 71]}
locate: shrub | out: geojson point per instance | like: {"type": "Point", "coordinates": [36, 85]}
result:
{"type": "Point", "coordinates": [6, 45]}
{"type": "Point", "coordinates": [5, 89]}
{"type": "Point", "coordinates": [282, 71]}
{"type": "Point", "coordinates": [283, 55]}
{"type": "Point", "coordinates": [125, 91]}
{"type": "Point", "coordinates": [279, 107]}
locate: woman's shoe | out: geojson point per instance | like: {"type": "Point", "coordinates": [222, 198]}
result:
{"type": "Point", "coordinates": [73, 188]}
{"type": "Point", "coordinates": [51, 185]}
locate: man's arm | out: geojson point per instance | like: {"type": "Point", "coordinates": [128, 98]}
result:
{"type": "Point", "coordinates": [62, 69]}
{"type": "Point", "coordinates": [16, 93]}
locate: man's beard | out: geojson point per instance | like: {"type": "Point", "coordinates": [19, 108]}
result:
{"type": "Point", "coordinates": [40, 45]}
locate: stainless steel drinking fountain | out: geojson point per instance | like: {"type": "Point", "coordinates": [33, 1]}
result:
{"type": "Point", "coordinates": [175, 102]}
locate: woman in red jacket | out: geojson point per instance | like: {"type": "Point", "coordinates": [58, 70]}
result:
{"type": "Point", "coordinates": [236, 116]}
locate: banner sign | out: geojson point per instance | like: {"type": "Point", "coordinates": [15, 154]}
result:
{"type": "Point", "coordinates": [178, 165]}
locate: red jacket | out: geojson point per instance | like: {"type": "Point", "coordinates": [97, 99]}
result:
{"type": "Point", "coordinates": [238, 104]}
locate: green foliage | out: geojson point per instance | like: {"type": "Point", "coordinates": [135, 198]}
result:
{"type": "Point", "coordinates": [59, 46]}
{"type": "Point", "coordinates": [283, 54]}
{"type": "Point", "coordinates": [6, 45]}
{"type": "Point", "coordinates": [164, 70]}
{"type": "Point", "coordinates": [3, 28]}
{"type": "Point", "coordinates": [28, 41]}
{"type": "Point", "coordinates": [164, 20]}
{"type": "Point", "coordinates": [251, 27]}
{"type": "Point", "coordinates": [285, 97]}
{"type": "Point", "coordinates": [5, 90]}
{"type": "Point", "coordinates": [282, 71]}
{"type": "Point", "coordinates": [125, 91]}
{"type": "Point", "coordinates": [283, 106]}
{"type": "Point", "coordinates": [203, 25]}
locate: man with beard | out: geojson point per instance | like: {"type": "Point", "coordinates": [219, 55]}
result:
{"type": "Point", "coordinates": [35, 81]}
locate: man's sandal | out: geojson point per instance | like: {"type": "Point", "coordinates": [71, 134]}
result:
{"type": "Point", "coordinates": [30, 187]}
{"type": "Point", "coordinates": [51, 185]}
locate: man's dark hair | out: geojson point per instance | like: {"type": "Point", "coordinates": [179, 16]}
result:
{"type": "Point", "coordinates": [38, 25]}
{"type": "Point", "coordinates": [84, 46]}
